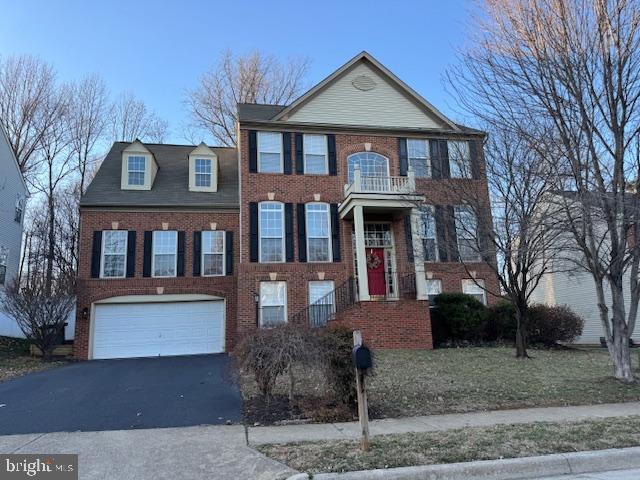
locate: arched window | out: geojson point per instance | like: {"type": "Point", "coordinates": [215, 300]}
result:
{"type": "Point", "coordinates": [371, 164]}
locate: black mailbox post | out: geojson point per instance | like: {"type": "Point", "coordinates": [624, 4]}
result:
{"type": "Point", "coordinates": [362, 357]}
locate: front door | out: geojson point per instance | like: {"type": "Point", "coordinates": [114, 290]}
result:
{"type": "Point", "coordinates": [375, 271]}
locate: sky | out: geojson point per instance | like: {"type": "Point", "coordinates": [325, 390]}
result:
{"type": "Point", "coordinates": [159, 49]}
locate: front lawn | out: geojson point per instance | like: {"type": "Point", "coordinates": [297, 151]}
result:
{"type": "Point", "coordinates": [424, 382]}
{"type": "Point", "coordinates": [460, 445]}
{"type": "Point", "coordinates": [15, 359]}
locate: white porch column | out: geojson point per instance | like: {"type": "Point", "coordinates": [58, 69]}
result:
{"type": "Point", "coordinates": [361, 256]}
{"type": "Point", "coordinates": [418, 255]}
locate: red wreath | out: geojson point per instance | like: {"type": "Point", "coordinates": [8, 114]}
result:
{"type": "Point", "coordinates": [373, 261]}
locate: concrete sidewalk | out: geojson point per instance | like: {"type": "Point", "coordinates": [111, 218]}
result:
{"type": "Point", "coordinates": [430, 423]}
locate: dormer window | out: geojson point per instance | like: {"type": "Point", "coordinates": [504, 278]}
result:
{"type": "Point", "coordinates": [203, 169]}
{"type": "Point", "coordinates": [136, 169]}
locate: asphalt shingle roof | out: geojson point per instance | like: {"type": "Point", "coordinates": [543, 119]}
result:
{"type": "Point", "coordinates": [256, 111]}
{"type": "Point", "coordinates": [171, 185]}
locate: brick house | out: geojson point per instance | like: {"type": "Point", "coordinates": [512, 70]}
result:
{"type": "Point", "coordinates": [336, 208]}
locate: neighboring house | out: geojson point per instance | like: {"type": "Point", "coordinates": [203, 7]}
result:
{"type": "Point", "coordinates": [13, 196]}
{"type": "Point", "coordinates": [320, 215]}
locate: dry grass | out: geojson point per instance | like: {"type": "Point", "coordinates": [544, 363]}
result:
{"type": "Point", "coordinates": [16, 361]}
{"type": "Point", "coordinates": [461, 445]}
{"type": "Point", "coordinates": [423, 382]}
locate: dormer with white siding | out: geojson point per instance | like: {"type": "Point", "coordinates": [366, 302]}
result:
{"type": "Point", "coordinates": [139, 167]}
{"type": "Point", "coordinates": [203, 169]}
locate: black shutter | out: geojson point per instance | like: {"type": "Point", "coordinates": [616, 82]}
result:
{"type": "Point", "coordinates": [475, 161]}
{"type": "Point", "coordinates": [453, 238]}
{"type": "Point", "coordinates": [299, 152]}
{"type": "Point", "coordinates": [409, 238]}
{"type": "Point", "coordinates": [302, 232]}
{"type": "Point", "coordinates": [286, 151]}
{"type": "Point", "coordinates": [441, 233]}
{"type": "Point", "coordinates": [335, 233]}
{"type": "Point", "coordinates": [180, 262]}
{"type": "Point", "coordinates": [253, 151]}
{"type": "Point", "coordinates": [146, 263]}
{"type": "Point", "coordinates": [443, 151]}
{"type": "Point", "coordinates": [288, 231]}
{"type": "Point", "coordinates": [331, 147]}
{"type": "Point", "coordinates": [96, 254]}
{"type": "Point", "coordinates": [402, 153]}
{"type": "Point", "coordinates": [253, 232]}
{"type": "Point", "coordinates": [436, 163]}
{"type": "Point", "coordinates": [131, 254]}
{"type": "Point", "coordinates": [197, 253]}
{"type": "Point", "coordinates": [228, 246]}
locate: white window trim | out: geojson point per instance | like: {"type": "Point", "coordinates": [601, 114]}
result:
{"type": "Point", "coordinates": [281, 171]}
{"type": "Point", "coordinates": [432, 209]}
{"type": "Point", "coordinates": [224, 256]}
{"type": "Point", "coordinates": [284, 234]}
{"type": "Point", "coordinates": [153, 255]}
{"type": "Point", "coordinates": [429, 281]}
{"type": "Point", "coordinates": [428, 157]}
{"type": "Point", "coordinates": [469, 173]}
{"type": "Point", "coordinates": [102, 254]}
{"type": "Point", "coordinates": [286, 300]}
{"type": "Point", "coordinates": [465, 233]}
{"type": "Point", "coordinates": [329, 236]}
{"type": "Point", "coordinates": [326, 154]}
{"type": "Point", "coordinates": [4, 251]}
{"type": "Point", "coordinates": [388, 167]}
{"type": "Point", "coordinates": [192, 173]}
{"type": "Point", "coordinates": [474, 285]}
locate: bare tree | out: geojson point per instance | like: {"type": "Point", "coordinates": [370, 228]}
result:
{"type": "Point", "coordinates": [130, 119]}
{"type": "Point", "coordinates": [26, 85]}
{"type": "Point", "coordinates": [574, 66]}
{"type": "Point", "coordinates": [252, 78]}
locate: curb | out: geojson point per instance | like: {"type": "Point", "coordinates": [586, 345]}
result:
{"type": "Point", "coordinates": [509, 469]}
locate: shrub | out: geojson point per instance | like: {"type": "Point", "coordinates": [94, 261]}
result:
{"type": "Point", "coordinates": [501, 322]}
{"type": "Point", "coordinates": [549, 325]}
{"type": "Point", "coordinates": [458, 317]}
{"type": "Point", "coordinates": [336, 344]}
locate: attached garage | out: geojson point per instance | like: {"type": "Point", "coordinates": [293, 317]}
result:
{"type": "Point", "coordinates": [125, 330]}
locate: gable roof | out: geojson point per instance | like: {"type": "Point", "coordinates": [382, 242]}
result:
{"type": "Point", "coordinates": [171, 185]}
{"type": "Point", "coordinates": [364, 56]}
{"type": "Point", "coordinates": [258, 111]}
{"type": "Point", "coordinates": [15, 160]}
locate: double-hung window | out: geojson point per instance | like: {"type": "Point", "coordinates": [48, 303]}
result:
{"type": "Point", "coordinates": [476, 289]}
{"type": "Point", "coordinates": [321, 302]}
{"type": "Point", "coordinates": [273, 303]}
{"type": "Point", "coordinates": [434, 288]}
{"type": "Point", "coordinates": [419, 158]}
{"type": "Point", "coordinates": [114, 254]}
{"type": "Point", "coordinates": [213, 253]}
{"type": "Point", "coordinates": [4, 254]}
{"type": "Point", "coordinates": [318, 232]}
{"type": "Point", "coordinates": [428, 234]}
{"type": "Point", "coordinates": [271, 226]}
{"type": "Point", "coordinates": [203, 172]}
{"type": "Point", "coordinates": [165, 253]}
{"type": "Point", "coordinates": [459, 159]}
{"type": "Point", "coordinates": [270, 159]}
{"type": "Point", "coordinates": [315, 155]}
{"type": "Point", "coordinates": [467, 234]}
{"type": "Point", "coordinates": [136, 166]}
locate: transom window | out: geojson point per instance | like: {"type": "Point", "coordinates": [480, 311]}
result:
{"type": "Point", "coordinates": [315, 155]}
{"type": "Point", "coordinates": [434, 288]}
{"type": "Point", "coordinates": [270, 152]}
{"type": "Point", "coordinates": [165, 253]}
{"type": "Point", "coordinates": [459, 159]}
{"type": "Point", "coordinates": [428, 234]}
{"type": "Point", "coordinates": [203, 172]}
{"type": "Point", "coordinates": [271, 226]}
{"type": "Point", "coordinates": [273, 303]}
{"type": "Point", "coordinates": [321, 301]}
{"type": "Point", "coordinates": [4, 254]}
{"type": "Point", "coordinates": [213, 253]}
{"type": "Point", "coordinates": [318, 232]}
{"type": "Point", "coordinates": [419, 157]}
{"type": "Point", "coordinates": [114, 254]}
{"type": "Point", "coordinates": [467, 234]}
{"type": "Point", "coordinates": [476, 289]}
{"type": "Point", "coordinates": [136, 165]}
{"type": "Point", "coordinates": [377, 235]}
{"type": "Point", "coordinates": [371, 165]}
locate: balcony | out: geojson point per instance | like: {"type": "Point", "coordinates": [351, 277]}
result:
{"type": "Point", "coordinates": [379, 193]}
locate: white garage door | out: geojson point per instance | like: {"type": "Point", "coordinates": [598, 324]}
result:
{"type": "Point", "coordinates": [152, 329]}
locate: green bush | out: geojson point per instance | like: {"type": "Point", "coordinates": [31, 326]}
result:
{"type": "Point", "coordinates": [458, 318]}
{"type": "Point", "coordinates": [501, 322]}
{"type": "Point", "coordinates": [549, 325]}
{"type": "Point", "coordinates": [336, 345]}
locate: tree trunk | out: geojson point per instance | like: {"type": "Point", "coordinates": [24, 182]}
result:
{"type": "Point", "coordinates": [521, 331]}
{"type": "Point", "coordinates": [618, 342]}
{"type": "Point", "coordinates": [51, 245]}
{"type": "Point", "coordinates": [292, 387]}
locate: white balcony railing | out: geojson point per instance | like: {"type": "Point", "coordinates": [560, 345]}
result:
{"type": "Point", "coordinates": [393, 185]}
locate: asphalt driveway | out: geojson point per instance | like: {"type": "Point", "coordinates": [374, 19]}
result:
{"type": "Point", "coordinates": [121, 395]}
